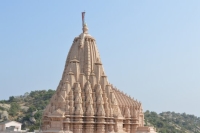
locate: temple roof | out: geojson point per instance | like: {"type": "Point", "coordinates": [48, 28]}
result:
{"type": "Point", "coordinates": [84, 86]}
{"type": "Point", "coordinates": [85, 101]}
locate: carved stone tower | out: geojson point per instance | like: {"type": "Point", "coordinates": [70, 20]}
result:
{"type": "Point", "coordinates": [85, 102]}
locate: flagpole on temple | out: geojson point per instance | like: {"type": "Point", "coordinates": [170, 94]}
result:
{"type": "Point", "coordinates": [83, 18]}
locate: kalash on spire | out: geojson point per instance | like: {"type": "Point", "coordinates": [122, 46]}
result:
{"type": "Point", "coordinates": [85, 102]}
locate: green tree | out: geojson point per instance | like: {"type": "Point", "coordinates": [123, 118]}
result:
{"type": "Point", "coordinates": [11, 99]}
{"type": "Point", "coordinates": [14, 109]}
{"type": "Point", "coordinates": [31, 109]}
{"type": "Point", "coordinates": [159, 124]}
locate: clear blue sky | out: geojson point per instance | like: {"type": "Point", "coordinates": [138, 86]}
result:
{"type": "Point", "coordinates": [150, 49]}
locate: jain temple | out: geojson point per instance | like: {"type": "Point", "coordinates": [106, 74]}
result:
{"type": "Point", "coordinates": [85, 102]}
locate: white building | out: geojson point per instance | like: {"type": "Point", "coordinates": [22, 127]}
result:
{"type": "Point", "coordinates": [10, 126]}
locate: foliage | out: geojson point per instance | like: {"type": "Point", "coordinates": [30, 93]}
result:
{"type": "Point", "coordinates": [31, 109]}
{"type": "Point", "coordinates": [14, 109]}
{"type": "Point", "coordinates": [38, 117]}
{"type": "Point", "coordinates": [40, 99]}
{"type": "Point", "coordinates": [36, 101]}
{"type": "Point", "coordinates": [3, 101]}
{"type": "Point", "coordinates": [11, 99]}
{"type": "Point", "coordinates": [171, 122]}
{"type": "Point", "coordinates": [1, 108]}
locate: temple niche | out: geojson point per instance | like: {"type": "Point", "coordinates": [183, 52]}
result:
{"type": "Point", "coordinates": [85, 102]}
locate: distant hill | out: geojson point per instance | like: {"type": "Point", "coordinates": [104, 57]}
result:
{"type": "Point", "coordinates": [171, 122]}
{"type": "Point", "coordinates": [28, 109]}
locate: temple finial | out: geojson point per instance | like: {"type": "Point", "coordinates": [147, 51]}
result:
{"type": "Point", "coordinates": [85, 29]}
{"type": "Point", "coordinates": [83, 19]}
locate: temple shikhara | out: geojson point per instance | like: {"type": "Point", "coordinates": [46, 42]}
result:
{"type": "Point", "coordinates": [85, 102]}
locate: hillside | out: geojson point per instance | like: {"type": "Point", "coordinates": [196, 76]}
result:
{"type": "Point", "coordinates": [28, 108]}
{"type": "Point", "coordinates": [171, 122]}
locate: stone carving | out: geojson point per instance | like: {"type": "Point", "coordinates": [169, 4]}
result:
{"type": "Point", "coordinates": [85, 102]}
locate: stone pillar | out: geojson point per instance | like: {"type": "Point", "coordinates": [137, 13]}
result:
{"type": "Point", "coordinates": [127, 126]}
{"type": "Point", "coordinates": [89, 126]}
{"type": "Point", "coordinates": [100, 125]}
{"type": "Point", "coordinates": [107, 127]}
{"type": "Point", "coordinates": [61, 124]}
{"type": "Point", "coordinates": [111, 127]}
{"type": "Point", "coordinates": [78, 126]}
{"type": "Point", "coordinates": [133, 128]}
{"type": "Point", "coordinates": [115, 128]}
{"type": "Point", "coordinates": [67, 125]}
{"type": "Point", "coordinates": [72, 127]}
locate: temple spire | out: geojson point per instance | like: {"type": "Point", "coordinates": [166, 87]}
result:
{"type": "Point", "coordinates": [85, 102]}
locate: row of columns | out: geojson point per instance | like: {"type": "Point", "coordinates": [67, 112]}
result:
{"type": "Point", "coordinates": [99, 126]}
